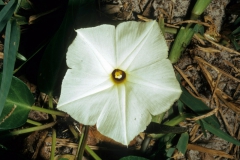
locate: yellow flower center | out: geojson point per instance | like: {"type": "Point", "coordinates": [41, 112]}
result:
{"type": "Point", "coordinates": [118, 75]}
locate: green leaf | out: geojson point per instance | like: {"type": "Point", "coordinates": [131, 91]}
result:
{"type": "Point", "coordinates": [220, 133]}
{"type": "Point", "coordinates": [3, 147]}
{"type": "Point", "coordinates": [21, 20]}
{"type": "Point", "coordinates": [17, 106]}
{"type": "Point", "coordinates": [182, 40]}
{"type": "Point", "coordinates": [198, 28]}
{"type": "Point", "coordinates": [180, 107]}
{"type": "Point", "coordinates": [170, 152]}
{"type": "Point", "coordinates": [12, 37]}
{"type": "Point", "coordinates": [182, 143]}
{"type": "Point", "coordinates": [6, 13]}
{"type": "Point", "coordinates": [21, 57]}
{"type": "Point", "coordinates": [25, 4]}
{"type": "Point", "coordinates": [158, 118]}
{"type": "Point", "coordinates": [22, 4]}
{"type": "Point", "coordinates": [198, 107]}
{"type": "Point", "coordinates": [174, 121]}
{"type": "Point", "coordinates": [53, 64]}
{"type": "Point", "coordinates": [235, 41]}
{"type": "Point", "coordinates": [235, 35]}
{"type": "Point", "coordinates": [166, 139]}
{"type": "Point", "coordinates": [64, 157]}
{"type": "Point", "coordinates": [199, 8]}
{"type": "Point", "coordinates": [164, 143]}
{"type": "Point", "coordinates": [203, 128]}
{"type": "Point", "coordinates": [133, 158]}
{"type": "Point", "coordinates": [160, 128]}
{"type": "Point", "coordinates": [161, 24]}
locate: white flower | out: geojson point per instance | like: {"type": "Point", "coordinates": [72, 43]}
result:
{"type": "Point", "coordinates": [118, 78]}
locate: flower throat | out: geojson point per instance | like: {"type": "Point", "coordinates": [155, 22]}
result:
{"type": "Point", "coordinates": [118, 75]}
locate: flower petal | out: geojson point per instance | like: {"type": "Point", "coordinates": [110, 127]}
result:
{"type": "Point", "coordinates": [78, 89]}
{"type": "Point", "coordinates": [139, 44]}
{"type": "Point", "coordinates": [87, 52]}
{"type": "Point", "coordinates": [112, 121]}
{"type": "Point", "coordinates": [126, 117]}
{"type": "Point", "coordinates": [156, 84]}
{"type": "Point", "coordinates": [137, 115]}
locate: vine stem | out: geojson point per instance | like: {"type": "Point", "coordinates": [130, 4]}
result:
{"type": "Point", "coordinates": [82, 142]}
{"type": "Point", "coordinates": [53, 147]}
{"type": "Point", "coordinates": [27, 130]}
{"type": "Point", "coordinates": [49, 111]}
{"type": "Point", "coordinates": [33, 122]}
{"type": "Point", "coordinates": [92, 153]}
{"type": "Point", "coordinates": [50, 104]}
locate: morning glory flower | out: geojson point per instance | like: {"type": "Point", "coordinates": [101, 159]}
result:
{"type": "Point", "coordinates": [118, 77]}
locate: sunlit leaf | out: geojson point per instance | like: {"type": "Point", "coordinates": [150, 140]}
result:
{"type": "Point", "coordinates": [17, 106]}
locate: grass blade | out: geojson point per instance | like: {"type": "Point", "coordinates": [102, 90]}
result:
{"type": "Point", "coordinates": [220, 133]}
{"type": "Point", "coordinates": [12, 37]}
{"type": "Point", "coordinates": [198, 107]}
{"type": "Point", "coordinates": [182, 143]}
{"type": "Point", "coordinates": [6, 13]}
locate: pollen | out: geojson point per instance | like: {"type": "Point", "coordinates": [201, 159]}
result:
{"type": "Point", "coordinates": [118, 75]}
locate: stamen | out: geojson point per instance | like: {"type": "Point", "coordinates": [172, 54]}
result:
{"type": "Point", "coordinates": [118, 75]}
